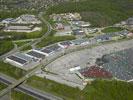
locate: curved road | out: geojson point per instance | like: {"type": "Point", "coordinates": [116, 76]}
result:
{"type": "Point", "coordinates": [32, 42]}
{"type": "Point", "coordinates": [17, 49]}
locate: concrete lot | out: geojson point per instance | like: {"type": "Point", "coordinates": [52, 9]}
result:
{"type": "Point", "coordinates": [83, 58]}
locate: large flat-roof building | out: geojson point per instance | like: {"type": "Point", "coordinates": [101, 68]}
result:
{"type": "Point", "coordinates": [35, 54]}
{"type": "Point", "coordinates": [21, 28]}
{"type": "Point", "coordinates": [28, 19]}
{"type": "Point", "coordinates": [81, 24]}
{"type": "Point", "coordinates": [80, 42]}
{"type": "Point", "coordinates": [8, 21]}
{"type": "Point", "coordinates": [65, 44]}
{"type": "Point", "coordinates": [54, 47]}
{"type": "Point", "coordinates": [46, 51]}
{"type": "Point", "coordinates": [78, 32]}
{"type": "Point", "coordinates": [23, 19]}
{"type": "Point", "coordinates": [130, 21]}
{"type": "Point", "coordinates": [22, 61]}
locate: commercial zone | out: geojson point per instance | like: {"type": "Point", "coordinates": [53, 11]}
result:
{"type": "Point", "coordinates": [27, 59]}
{"type": "Point", "coordinates": [80, 68]}
{"type": "Point", "coordinates": [77, 68]}
{"type": "Point", "coordinates": [22, 61]}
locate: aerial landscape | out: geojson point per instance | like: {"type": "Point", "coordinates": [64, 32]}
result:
{"type": "Point", "coordinates": [66, 49]}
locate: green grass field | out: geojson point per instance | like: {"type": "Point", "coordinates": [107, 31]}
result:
{"type": "Point", "coordinates": [2, 86]}
{"type": "Point", "coordinates": [24, 35]}
{"type": "Point", "coordinates": [21, 43]}
{"type": "Point", "coordinates": [112, 29]}
{"type": "Point", "coordinates": [11, 71]}
{"type": "Point", "coordinates": [15, 95]}
{"type": "Point", "coordinates": [5, 46]}
{"type": "Point", "coordinates": [98, 90]}
{"type": "Point", "coordinates": [26, 48]}
{"type": "Point", "coordinates": [98, 12]}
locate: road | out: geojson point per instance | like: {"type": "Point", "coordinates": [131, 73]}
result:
{"type": "Point", "coordinates": [18, 83]}
{"type": "Point", "coordinates": [32, 43]}
{"type": "Point", "coordinates": [83, 58]}
{"type": "Point", "coordinates": [32, 72]}
{"type": "Point", "coordinates": [19, 48]}
{"type": "Point", "coordinates": [24, 78]}
{"type": "Point", "coordinates": [39, 95]}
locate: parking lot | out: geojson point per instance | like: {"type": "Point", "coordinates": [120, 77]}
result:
{"type": "Point", "coordinates": [83, 59]}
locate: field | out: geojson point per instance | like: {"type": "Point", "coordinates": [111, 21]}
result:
{"type": "Point", "coordinates": [2, 86]}
{"type": "Point", "coordinates": [5, 46]}
{"type": "Point", "coordinates": [98, 12]}
{"type": "Point", "coordinates": [11, 71]}
{"type": "Point", "coordinates": [112, 29]}
{"type": "Point", "coordinates": [21, 35]}
{"type": "Point", "coordinates": [15, 95]}
{"type": "Point", "coordinates": [26, 48]}
{"type": "Point", "coordinates": [98, 90]}
{"type": "Point", "coordinates": [24, 35]}
{"type": "Point", "coordinates": [21, 43]}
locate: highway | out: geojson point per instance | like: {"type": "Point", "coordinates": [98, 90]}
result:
{"type": "Point", "coordinates": [12, 86]}
{"type": "Point", "coordinates": [39, 95]}
{"type": "Point", "coordinates": [32, 72]}
{"type": "Point", "coordinates": [18, 84]}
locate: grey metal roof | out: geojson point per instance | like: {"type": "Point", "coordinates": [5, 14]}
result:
{"type": "Point", "coordinates": [16, 59]}
{"type": "Point", "coordinates": [36, 54]}
{"type": "Point", "coordinates": [65, 43]}
{"type": "Point", "coordinates": [54, 47]}
{"type": "Point", "coordinates": [79, 41]}
{"type": "Point", "coordinates": [103, 37]}
{"type": "Point", "coordinates": [28, 18]}
{"type": "Point", "coordinates": [78, 32]}
{"type": "Point", "coordinates": [46, 50]}
{"type": "Point", "coordinates": [23, 56]}
{"type": "Point", "coordinates": [130, 21]}
{"type": "Point", "coordinates": [19, 28]}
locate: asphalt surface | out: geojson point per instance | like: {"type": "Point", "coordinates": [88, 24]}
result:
{"type": "Point", "coordinates": [29, 90]}
{"type": "Point", "coordinates": [83, 58]}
